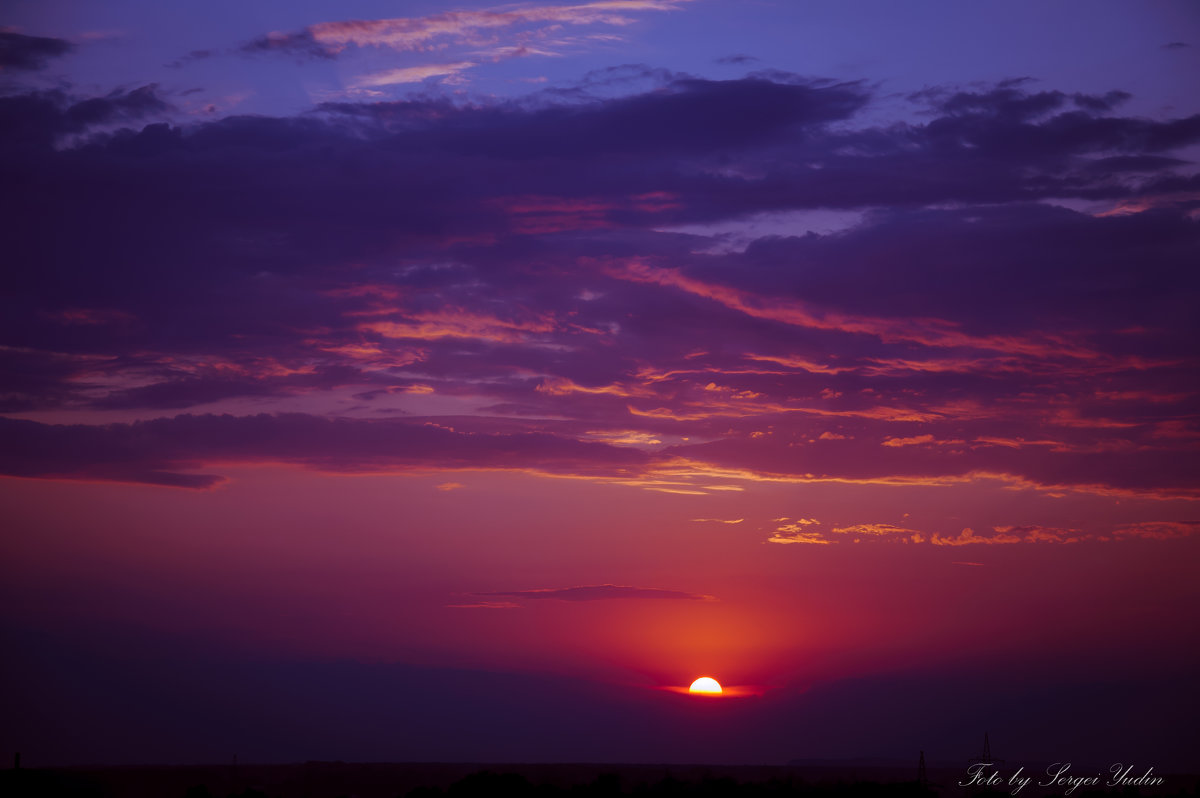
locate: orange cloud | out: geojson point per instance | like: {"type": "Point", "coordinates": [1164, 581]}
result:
{"type": "Point", "coordinates": [876, 530]}
{"type": "Point", "coordinates": [624, 437]}
{"type": "Point", "coordinates": [999, 535]}
{"type": "Point", "coordinates": [561, 386]}
{"type": "Point", "coordinates": [681, 467]}
{"type": "Point", "coordinates": [458, 323]}
{"type": "Point", "coordinates": [914, 441]}
{"type": "Point", "coordinates": [742, 407]}
{"type": "Point", "coordinates": [798, 532]}
{"type": "Point", "coordinates": [786, 537]}
{"type": "Point", "coordinates": [1004, 535]}
{"type": "Point", "coordinates": [1013, 443]}
{"type": "Point", "coordinates": [896, 366]}
{"type": "Point", "coordinates": [802, 363]}
{"type": "Point", "coordinates": [372, 356]}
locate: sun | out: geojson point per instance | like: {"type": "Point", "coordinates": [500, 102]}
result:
{"type": "Point", "coordinates": [705, 685]}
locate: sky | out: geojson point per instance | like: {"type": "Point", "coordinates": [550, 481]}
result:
{"type": "Point", "coordinates": [392, 381]}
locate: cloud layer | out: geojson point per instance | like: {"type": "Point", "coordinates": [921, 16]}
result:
{"type": "Point", "coordinates": [425, 285]}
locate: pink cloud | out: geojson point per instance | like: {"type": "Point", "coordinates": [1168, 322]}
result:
{"type": "Point", "coordinates": [929, 332]}
{"type": "Point", "coordinates": [416, 74]}
{"type": "Point", "coordinates": [419, 34]}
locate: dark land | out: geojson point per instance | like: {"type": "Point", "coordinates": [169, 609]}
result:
{"type": "Point", "coordinates": [466, 780]}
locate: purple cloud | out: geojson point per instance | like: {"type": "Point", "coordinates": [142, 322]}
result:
{"type": "Point", "coordinates": [156, 451]}
{"type": "Point", "coordinates": [21, 52]}
{"type": "Point", "coordinates": [530, 266]}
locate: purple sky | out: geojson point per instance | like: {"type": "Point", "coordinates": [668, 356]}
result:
{"type": "Point", "coordinates": [474, 376]}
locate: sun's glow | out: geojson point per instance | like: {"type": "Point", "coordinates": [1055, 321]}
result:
{"type": "Point", "coordinates": [705, 685]}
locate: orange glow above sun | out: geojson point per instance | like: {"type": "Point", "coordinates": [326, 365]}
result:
{"type": "Point", "coordinates": [705, 685]}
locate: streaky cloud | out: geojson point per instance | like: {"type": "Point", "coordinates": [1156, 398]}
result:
{"type": "Point", "coordinates": [599, 593]}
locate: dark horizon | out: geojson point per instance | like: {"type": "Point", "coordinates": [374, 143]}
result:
{"type": "Point", "coordinates": [426, 780]}
{"type": "Point", "coordinates": [280, 711]}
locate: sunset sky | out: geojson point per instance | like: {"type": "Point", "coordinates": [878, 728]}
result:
{"type": "Point", "coordinates": [448, 381]}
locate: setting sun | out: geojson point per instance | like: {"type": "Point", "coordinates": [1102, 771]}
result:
{"type": "Point", "coordinates": [706, 686]}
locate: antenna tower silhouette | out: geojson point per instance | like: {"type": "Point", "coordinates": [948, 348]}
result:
{"type": "Point", "coordinates": [986, 756]}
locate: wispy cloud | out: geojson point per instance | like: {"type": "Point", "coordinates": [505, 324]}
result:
{"type": "Point", "coordinates": [599, 593]}
{"type": "Point", "coordinates": [798, 536]}
{"type": "Point", "coordinates": [915, 440]}
{"type": "Point", "coordinates": [416, 74]}
{"type": "Point", "coordinates": [524, 24]}
{"type": "Point", "coordinates": [801, 530]}
{"type": "Point", "coordinates": [1007, 535]}
{"type": "Point", "coordinates": [1158, 530]}
{"type": "Point", "coordinates": [875, 530]}
{"type": "Point", "coordinates": [928, 332]}
{"type": "Point", "coordinates": [810, 532]}
{"type": "Point", "coordinates": [486, 605]}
